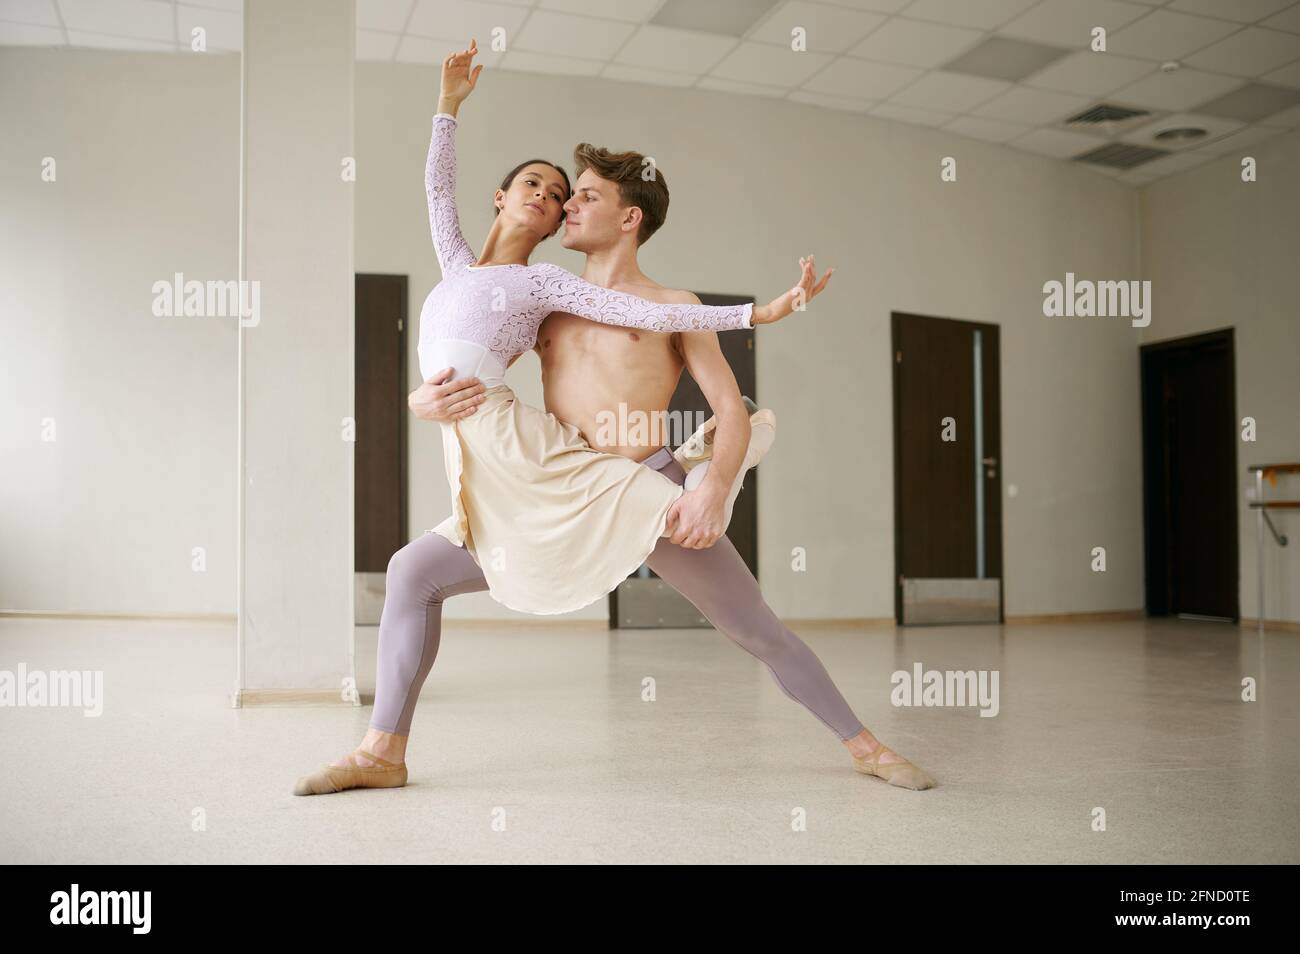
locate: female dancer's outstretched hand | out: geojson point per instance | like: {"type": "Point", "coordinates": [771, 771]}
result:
{"type": "Point", "coordinates": [458, 80]}
{"type": "Point", "coordinates": [796, 297]}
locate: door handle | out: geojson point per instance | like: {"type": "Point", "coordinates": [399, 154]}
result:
{"type": "Point", "coordinates": [990, 461]}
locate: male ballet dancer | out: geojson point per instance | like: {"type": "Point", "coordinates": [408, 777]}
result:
{"type": "Point", "coordinates": [587, 368]}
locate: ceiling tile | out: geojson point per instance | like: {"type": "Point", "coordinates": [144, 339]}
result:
{"type": "Point", "coordinates": [991, 130]}
{"type": "Point", "coordinates": [1005, 57]}
{"type": "Point", "coordinates": [107, 41]}
{"type": "Point", "coordinates": [429, 51]}
{"type": "Point", "coordinates": [224, 29]}
{"type": "Point", "coordinates": [1059, 143]}
{"type": "Point", "coordinates": [1090, 74]}
{"type": "Point", "coordinates": [851, 77]}
{"type": "Point", "coordinates": [770, 65]}
{"type": "Point", "coordinates": [373, 46]}
{"type": "Point", "coordinates": [1178, 162]}
{"type": "Point", "coordinates": [1033, 107]}
{"type": "Point", "coordinates": [949, 92]}
{"type": "Point", "coordinates": [146, 19]}
{"type": "Point", "coordinates": [916, 43]}
{"type": "Point", "coordinates": [27, 34]}
{"type": "Point", "coordinates": [1182, 89]}
{"type": "Point", "coordinates": [829, 29]}
{"type": "Point", "coordinates": [234, 6]}
{"type": "Point", "coordinates": [875, 6]}
{"type": "Point", "coordinates": [639, 74]}
{"type": "Point", "coordinates": [1165, 35]}
{"type": "Point", "coordinates": [733, 18]}
{"type": "Point", "coordinates": [524, 61]}
{"type": "Point", "coordinates": [679, 51]}
{"type": "Point", "coordinates": [387, 16]}
{"type": "Point", "coordinates": [843, 103]}
{"type": "Point", "coordinates": [981, 14]}
{"type": "Point", "coordinates": [745, 89]}
{"type": "Point", "coordinates": [1251, 52]}
{"type": "Point", "coordinates": [1242, 11]}
{"type": "Point", "coordinates": [909, 114]}
{"type": "Point", "coordinates": [1286, 76]}
{"type": "Point", "coordinates": [1240, 140]}
{"type": "Point", "coordinates": [1288, 20]}
{"type": "Point", "coordinates": [35, 12]}
{"type": "Point", "coordinates": [461, 20]}
{"type": "Point", "coordinates": [634, 11]}
{"type": "Point", "coordinates": [1252, 102]}
{"type": "Point", "coordinates": [562, 34]}
{"type": "Point", "coordinates": [1288, 118]}
{"type": "Point", "coordinates": [1069, 23]}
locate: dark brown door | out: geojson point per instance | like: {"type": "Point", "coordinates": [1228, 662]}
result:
{"type": "Point", "coordinates": [380, 455]}
{"type": "Point", "coordinates": [646, 601]}
{"type": "Point", "coordinates": [1189, 442]}
{"type": "Point", "coordinates": [947, 471]}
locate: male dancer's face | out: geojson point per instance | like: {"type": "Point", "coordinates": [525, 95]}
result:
{"type": "Point", "coordinates": [597, 219]}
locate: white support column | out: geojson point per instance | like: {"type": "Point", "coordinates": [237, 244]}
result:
{"type": "Point", "coordinates": [296, 356]}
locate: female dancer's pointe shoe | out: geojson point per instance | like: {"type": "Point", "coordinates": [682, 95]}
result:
{"type": "Point", "coordinates": [902, 774]}
{"type": "Point", "coordinates": [336, 778]}
{"type": "Point", "coordinates": [699, 446]}
{"type": "Point", "coordinates": [763, 434]}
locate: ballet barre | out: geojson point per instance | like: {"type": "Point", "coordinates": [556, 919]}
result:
{"type": "Point", "coordinates": [1261, 506]}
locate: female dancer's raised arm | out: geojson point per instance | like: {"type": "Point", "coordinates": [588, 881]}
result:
{"type": "Point", "coordinates": [440, 168]}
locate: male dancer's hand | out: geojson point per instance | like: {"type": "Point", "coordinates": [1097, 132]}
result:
{"type": "Point", "coordinates": [697, 518]}
{"type": "Point", "coordinates": [802, 293]}
{"type": "Point", "coordinates": [440, 399]}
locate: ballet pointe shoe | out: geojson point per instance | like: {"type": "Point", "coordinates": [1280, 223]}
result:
{"type": "Point", "coordinates": [699, 446]}
{"type": "Point", "coordinates": [902, 774]}
{"type": "Point", "coordinates": [337, 778]}
{"type": "Point", "coordinates": [762, 436]}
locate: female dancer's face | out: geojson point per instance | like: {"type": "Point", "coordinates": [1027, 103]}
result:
{"type": "Point", "coordinates": [535, 200]}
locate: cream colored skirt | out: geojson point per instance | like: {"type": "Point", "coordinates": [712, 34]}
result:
{"type": "Point", "coordinates": [553, 523]}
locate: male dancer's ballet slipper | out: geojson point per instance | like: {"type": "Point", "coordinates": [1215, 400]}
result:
{"type": "Point", "coordinates": [761, 438]}
{"type": "Point", "coordinates": [699, 446]}
{"type": "Point", "coordinates": [902, 774]}
{"type": "Point", "coordinates": [336, 778]}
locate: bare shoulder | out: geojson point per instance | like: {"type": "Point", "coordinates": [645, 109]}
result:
{"type": "Point", "coordinates": [667, 296]}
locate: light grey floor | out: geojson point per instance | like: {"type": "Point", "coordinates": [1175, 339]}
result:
{"type": "Point", "coordinates": [546, 729]}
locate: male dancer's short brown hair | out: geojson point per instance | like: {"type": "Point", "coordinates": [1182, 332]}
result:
{"type": "Point", "coordinates": [628, 171]}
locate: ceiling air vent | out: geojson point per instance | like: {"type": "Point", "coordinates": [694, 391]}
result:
{"type": "Point", "coordinates": [1104, 113]}
{"type": "Point", "coordinates": [1120, 155]}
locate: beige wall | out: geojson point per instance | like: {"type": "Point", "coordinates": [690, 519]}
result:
{"type": "Point", "coordinates": [144, 465]}
{"type": "Point", "coordinates": [104, 518]}
{"type": "Point", "coordinates": [1222, 253]}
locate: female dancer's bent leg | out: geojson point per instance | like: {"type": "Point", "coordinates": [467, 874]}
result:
{"type": "Point", "coordinates": [420, 576]}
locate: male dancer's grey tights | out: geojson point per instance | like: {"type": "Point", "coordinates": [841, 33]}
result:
{"type": "Point", "coordinates": [428, 570]}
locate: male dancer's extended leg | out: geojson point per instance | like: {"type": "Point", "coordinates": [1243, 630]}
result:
{"type": "Point", "coordinates": [720, 585]}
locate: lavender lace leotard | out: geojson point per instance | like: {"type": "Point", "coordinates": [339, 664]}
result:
{"type": "Point", "coordinates": [478, 318]}
{"type": "Point", "coordinates": [553, 523]}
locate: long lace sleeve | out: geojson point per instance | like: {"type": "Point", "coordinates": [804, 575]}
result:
{"type": "Point", "coordinates": [440, 186]}
{"type": "Point", "coordinates": [560, 290]}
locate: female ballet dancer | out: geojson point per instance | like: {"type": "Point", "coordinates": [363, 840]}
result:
{"type": "Point", "coordinates": [530, 497]}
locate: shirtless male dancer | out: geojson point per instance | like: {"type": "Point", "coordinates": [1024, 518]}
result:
{"type": "Point", "coordinates": [587, 368]}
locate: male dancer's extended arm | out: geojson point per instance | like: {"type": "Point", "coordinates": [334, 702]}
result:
{"type": "Point", "coordinates": [701, 513]}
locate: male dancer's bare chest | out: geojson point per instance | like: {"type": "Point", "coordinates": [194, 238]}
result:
{"type": "Point", "coordinates": [608, 381]}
